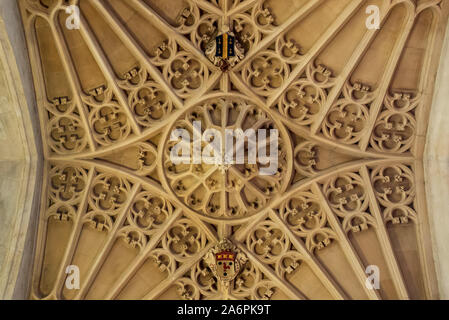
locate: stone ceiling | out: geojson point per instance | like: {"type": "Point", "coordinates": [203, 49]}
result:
{"type": "Point", "coordinates": [351, 105]}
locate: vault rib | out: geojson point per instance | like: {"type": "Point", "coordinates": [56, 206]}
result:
{"type": "Point", "coordinates": [384, 239]}
{"type": "Point", "coordinates": [213, 79]}
{"type": "Point", "coordinates": [101, 257]}
{"type": "Point", "coordinates": [74, 237]}
{"type": "Point", "coordinates": [150, 14]}
{"type": "Point", "coordinates": [225, 83]}
{"type": "Point", "coordinates": [346, 246]}
{"type": "Point", "coordinates": [137, 51]}
{"type": "Point", "coordinates": [347, 149]}
{"type": "Point", "coordinates": [243, 6]}
{"type": "Point", "coordinates": [387, 77]}
{"type": "Point", "coordinates": [307, 183]}
{"type": "Point", "coordinates": [73, 79]}
{"type": "Point", "coordinates": [225, 8]}
{"type": "Point", "coordinates": [152, 131]}
{"type": "Point", "coordinates": [41, 96]}
{"type": "Point", "coordinates": [333, 29]}
{"type": "Point", "coordinates": [424, 83]}
{"type": "Point", "coordinates": [224, 231]}
{"type": "Point", "coordinates": [140, 259]}
{"type": "Point", "coordinates": [245, 89]}
{"type": "Point", "coordinates": [304, 132]}
{"type": "Point", "coordinates": [209, 7]}
{"type": "Point", "coordinates": [242, 232]}
{"type": "Point", "coordinates": [106, 68]}
{"type": "Point", "coordinates": [326, 279]}
{"type": "Point", "coordinates": [297, 16]}
{"type": "Point", "coordinates": [348, 69]}
{"type": "Point", "coordinates": [285, 287]}
{"type": "Point", "coordinates": [164, 285]}
{"type": "Point", "coordinates": [152, 186]}
{"type": "Point", "coordinates": [37, 70]}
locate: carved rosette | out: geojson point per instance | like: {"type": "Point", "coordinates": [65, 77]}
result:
{"type": "Point", "coordinates": [227, 191]}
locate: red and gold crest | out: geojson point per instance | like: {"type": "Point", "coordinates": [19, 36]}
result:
{"type": "Point", "coordinates": [225, 261]}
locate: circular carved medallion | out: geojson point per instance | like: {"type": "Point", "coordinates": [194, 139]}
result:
{"type": "Point", "coordinates": [227, 186]}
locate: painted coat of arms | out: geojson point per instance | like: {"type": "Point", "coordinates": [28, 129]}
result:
{"type": "Point", "coordinates": [225, 261]}
{"type": "Point", "coordinates": [225, 51]}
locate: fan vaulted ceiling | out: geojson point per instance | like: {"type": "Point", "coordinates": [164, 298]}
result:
{"type": "Point", "coordinates": [351, 106]}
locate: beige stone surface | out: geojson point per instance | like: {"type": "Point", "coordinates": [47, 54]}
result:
{"type": "Point", "coordinates": [437, 171]}
{"type": "Point", "coordinates": [20, 159]}
{"type": "Point", "coordinates": [351, 105]}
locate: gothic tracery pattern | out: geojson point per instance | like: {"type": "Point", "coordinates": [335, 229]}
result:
{"type": "Point", "coordinates": [351, 107]}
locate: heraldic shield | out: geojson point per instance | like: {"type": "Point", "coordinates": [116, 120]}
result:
{"type": "Point", "coordinates": [225, 51]}
{"type": "Point", "coordinates": [225, 261]}
{"type": "Point", "coordinates": [225, 46]}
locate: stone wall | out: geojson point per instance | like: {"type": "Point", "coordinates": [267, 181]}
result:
{"type": "Point", "coordinates": [436, 164]}
{"type": "Point", "coordinates": [20, 157]}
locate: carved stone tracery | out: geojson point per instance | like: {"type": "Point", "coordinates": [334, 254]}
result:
{"type": "Point", "coordinates": [349, 173]}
